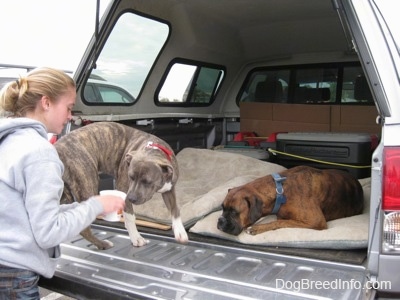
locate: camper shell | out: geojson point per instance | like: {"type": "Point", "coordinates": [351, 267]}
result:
{"type": "Point", "coordinates": [238, 77]}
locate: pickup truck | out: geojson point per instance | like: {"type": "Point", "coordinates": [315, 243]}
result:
{"type": "Point", "coordinates": [240, 80]}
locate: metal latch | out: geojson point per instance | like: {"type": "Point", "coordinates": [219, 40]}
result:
{"type": "Point", "coordinates": [145, 122]}
{"type": "Point", "coordinates": [186, 121]}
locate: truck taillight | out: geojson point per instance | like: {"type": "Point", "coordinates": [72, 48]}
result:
{"type": "Point", "coordinates": [391, 198]}
{"type": "Point", "coordinates": [391, 232]}
{"type": "Point", "coordinates": [391, 179]}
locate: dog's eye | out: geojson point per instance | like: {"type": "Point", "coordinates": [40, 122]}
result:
{"type": "Point", "coordinates": [234, 212]}
{"type": "Point", "coordinates": [145, 182]}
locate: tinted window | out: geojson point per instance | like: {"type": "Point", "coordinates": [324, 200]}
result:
{"type": "Point", "coordinates": [320, 84]}
{"type": "Point", "coordinates": [90, 94]}
{"type": "Point", "coordinates": [355, 86]}
{"type": "Point", "coordinates": [190, 84]}
{"type": "Point", "coordinates": [267, 86]}
{"type": "Point", "coordinates": [114, 94]}
{"type": "Point", "coordinates": [126, 59]}
{"type": "Point", "coordinates": [315, 85]}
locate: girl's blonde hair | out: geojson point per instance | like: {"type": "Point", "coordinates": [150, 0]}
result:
{"type": "Point", "coordinates": [22, 95]}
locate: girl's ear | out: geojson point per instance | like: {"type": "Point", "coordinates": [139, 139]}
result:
{"type": "Point", "coordinates": [45, 102]}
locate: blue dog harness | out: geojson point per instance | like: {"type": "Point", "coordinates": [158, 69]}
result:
{"type": "Point", "coordinates": [280, 198]}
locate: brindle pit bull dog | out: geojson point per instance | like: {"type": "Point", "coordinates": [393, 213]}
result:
{"type": "Point", "coordinates": [141, 164]}
{"type": "Point", "coordinates": [309, 198]}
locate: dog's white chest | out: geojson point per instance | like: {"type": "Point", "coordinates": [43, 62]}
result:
{"type": "Point", "coordinates": [167, 187]}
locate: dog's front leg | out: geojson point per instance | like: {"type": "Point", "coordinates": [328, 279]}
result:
{"type": "Point", "coordinates": [100, 244]}
{"type": "Point", "coordinates": [260, 228]}
{"type": "Point", "coordinates": [130, 224]}
{"type": "Point", "coordinates": [177, 225]}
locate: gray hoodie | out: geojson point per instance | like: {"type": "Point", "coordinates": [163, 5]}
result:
{"type": "Point", "coordinates": [32, 221]}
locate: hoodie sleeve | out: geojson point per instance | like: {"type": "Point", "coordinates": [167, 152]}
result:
{"type": "Point", "coordinates": [52, 223]}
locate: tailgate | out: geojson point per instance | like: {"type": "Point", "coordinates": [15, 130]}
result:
{"type": "Point", "coordinates": [164, 269]}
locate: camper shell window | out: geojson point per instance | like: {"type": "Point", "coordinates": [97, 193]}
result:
{"type": "Point", "coordinates": [125, 61]}
{"type": "Point", "coordinates": [317, 84]}
{"type": "Point", "coordinates": [189, 84]}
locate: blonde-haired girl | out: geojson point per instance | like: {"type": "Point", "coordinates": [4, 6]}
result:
{"type": "Point", "coordinates": [32, 221]}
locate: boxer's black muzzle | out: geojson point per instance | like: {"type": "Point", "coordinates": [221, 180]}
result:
{"type": "Point", "coordinates": [229, 225]}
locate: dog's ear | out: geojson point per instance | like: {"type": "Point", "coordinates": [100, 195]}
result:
{"type": "Point", "coordinates": [168, 172]}
{"type": "Point", "coordinates": [128, 158]}
{"type": "Point", "coordinates": [255, 209]}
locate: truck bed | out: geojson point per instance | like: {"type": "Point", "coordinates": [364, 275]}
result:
{"type": "Point", "coordinates": [202, 269]}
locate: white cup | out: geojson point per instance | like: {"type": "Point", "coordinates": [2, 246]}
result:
{"type": "Point", "coordinates": [113, 216]}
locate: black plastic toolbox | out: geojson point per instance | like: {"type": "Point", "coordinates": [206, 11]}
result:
{"type": "Point", "coordinates": [348, 151]}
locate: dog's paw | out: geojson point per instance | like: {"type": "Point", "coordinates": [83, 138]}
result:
{"type": "Point", "coordinates": [104, 245]}
{"type": "Point", "coordinates": [139, 242]}
{"type": "Point", "coordinates": [179, 231]}
{"type": "Point", "coordinates": [251, 230]}
{"type": "Point", "coordinates": [181, 236]}
{"type": "Point", "coordinates": [136, 239]}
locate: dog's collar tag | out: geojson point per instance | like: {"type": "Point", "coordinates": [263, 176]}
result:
{"type": "Point", "coordinates": [167, 152]}
{"type": "Point", "coordinates": [280, 198]}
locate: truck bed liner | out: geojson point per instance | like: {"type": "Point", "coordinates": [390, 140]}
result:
{"type": "Point", "coordinates": [164, 269]}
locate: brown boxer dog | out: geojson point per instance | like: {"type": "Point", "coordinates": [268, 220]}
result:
{"type": "Point", "coordinates": [308, 198]}
{"type": "Point", "coordinates": [141, 163]}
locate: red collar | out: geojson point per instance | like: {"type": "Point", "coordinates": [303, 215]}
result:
{"type": "Point", "coordinates": [168, 152]}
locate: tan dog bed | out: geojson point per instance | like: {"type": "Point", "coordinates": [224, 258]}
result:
{"type": "Point", "coordinates": [345, 233]}
{"type": "Point", "coordinates": [204, 179]}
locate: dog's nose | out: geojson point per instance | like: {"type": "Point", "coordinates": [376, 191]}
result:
{"type": "Point", "coordinates": [221, 223]}
{"type": "Point", "coordinates": [133, 200]}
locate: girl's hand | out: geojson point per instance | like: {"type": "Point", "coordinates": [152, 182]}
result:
{"type": "Point", "coordinates": [111, 203]}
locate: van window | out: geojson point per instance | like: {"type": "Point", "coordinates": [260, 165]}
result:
{"type": "Point", "coordinates": [267, 86]}
{"type": "Point", "coordinates": [125, 60]}
{"type": "Point", "coordinates": [315, 85]}
{"type": "Point", "coordinates": [355, 87]}
{"type": "Point", "coordinates": [189, 84]}
{"type": "Point", "coordinates": [318, 84]}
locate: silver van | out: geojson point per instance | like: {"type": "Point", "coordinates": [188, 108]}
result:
{"type": "Point", "coordinates": [253, 80]}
